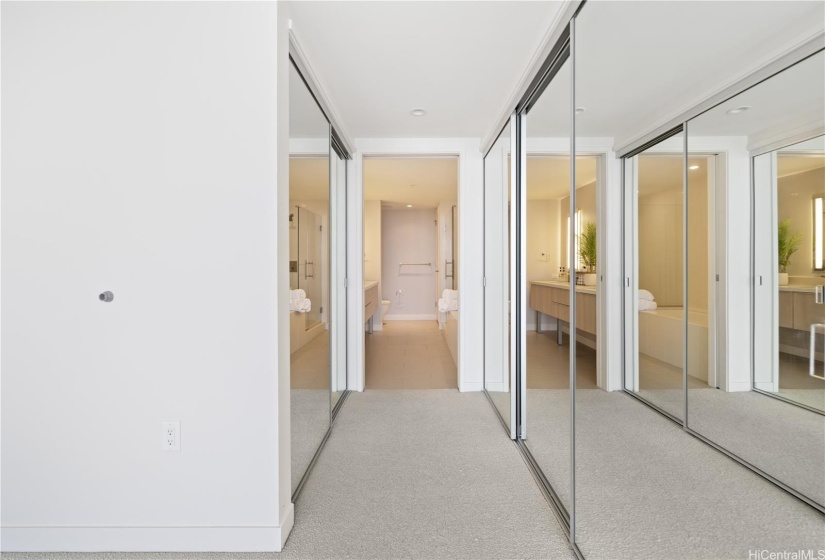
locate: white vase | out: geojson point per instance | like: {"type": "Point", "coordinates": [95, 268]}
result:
{"type": "Point", "coordinates": [783, 278]}
{"type": "Point", "coordinates": [590, 279]}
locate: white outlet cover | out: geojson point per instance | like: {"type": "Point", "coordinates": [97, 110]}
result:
{"type": "Point", "coordinates": [170, 436]}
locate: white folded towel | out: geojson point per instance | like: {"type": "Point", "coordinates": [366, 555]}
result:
{"type": "Point", "coordinates": [298, 301]}
{"type": "Point", "coordinates": [445, 305]}
{"type": "Point", "coordinates": [450, 295]}
{"type": "Point", "coordinates": [647, 305]}
{"type": "Point", "coordinates": [644, 294]}
{"type": "Point", "coordinates": [300, 305]}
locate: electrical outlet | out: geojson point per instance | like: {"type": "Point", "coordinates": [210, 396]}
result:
{"type": "Point", "coordinates": [171, 436]}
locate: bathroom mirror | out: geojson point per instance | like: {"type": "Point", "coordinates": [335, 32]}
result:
{"type": "Point", "coordinates": [498, 251]}
{"type": "Point", "coordinates": [309, 265]}
{"type": "Point", "coordinates": [757, 375]}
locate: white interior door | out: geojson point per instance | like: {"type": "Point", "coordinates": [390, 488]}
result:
{"type": "Point", "coordinates": [766, 272]}
{"type": "Point", "coordinates": [631, 282]}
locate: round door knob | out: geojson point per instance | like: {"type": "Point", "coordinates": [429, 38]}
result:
{"type": "Point", "coordinates": [106, 296]}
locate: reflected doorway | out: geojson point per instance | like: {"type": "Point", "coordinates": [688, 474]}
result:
{"type": "Point", "coordinates": [411, 268]}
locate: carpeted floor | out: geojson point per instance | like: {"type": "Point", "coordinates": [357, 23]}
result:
{"type": "Point", "coordinates": [310, 421]}
{"type": "Point", "coordinates": [783, 440]}
{"type": "Point", "coordinates": [422, 474]}
{"type": "Point", "coordinates": [645, 489]}
{"type": "Point", "coordinates": [430, 474]}
{"type": "Point", "coordinates": [786, 441]}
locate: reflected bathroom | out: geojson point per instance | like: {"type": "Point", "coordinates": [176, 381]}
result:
{"type": "Point", "coordinates": [310, 320]}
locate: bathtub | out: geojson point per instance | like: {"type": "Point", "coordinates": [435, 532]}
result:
{"type": "Point", "coordinates": [450, 330]}
{"type": "Point", "coordinates": [661, 337]}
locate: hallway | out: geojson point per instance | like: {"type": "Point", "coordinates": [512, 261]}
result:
{"type": "Point", "coordinates": [400, 478]}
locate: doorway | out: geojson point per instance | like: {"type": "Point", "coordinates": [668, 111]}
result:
{"type": "Point", "coordinates": [411, 309]}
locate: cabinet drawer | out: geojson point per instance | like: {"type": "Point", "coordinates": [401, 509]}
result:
{"type": "Point", "coordinates": [559, 295]}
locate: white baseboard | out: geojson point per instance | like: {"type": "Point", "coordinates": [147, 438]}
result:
{"type": "Point", "coordinates": [424, 317]}
{"type": "Point", "coordinates": [739, 386]}
{"type": "Point", "coordinates": [147, 539]}
{"type": "Point", "coordinates": [766, 386]}
{"type": "Point", "coordinates": [471, 386]}
{"type": "Point", "coordinates": [497, 387]}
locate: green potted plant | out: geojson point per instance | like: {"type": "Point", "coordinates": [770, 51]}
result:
{"type": "Point", "coordinates": [788, 245]}
{"type": "Point", "coordinates": [587, 252]}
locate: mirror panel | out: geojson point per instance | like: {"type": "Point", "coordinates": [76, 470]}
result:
{"type": "Point", "coordinates": [767, 410]}
{"type": "Point", "coordinates": [338, 292]}
{"type": "Point", "coordinates": [497, 271]}
{"type": "Point", "coordinates": [551, 265]}
{"type": "Point", "coordinates": [657, 312]}
{"type": "Point", "coordinates": [309, 226]}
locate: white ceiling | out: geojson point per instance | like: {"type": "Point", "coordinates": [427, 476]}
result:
{"type": "Point", "coordinates": [791, 165]}
{"type": "Point", "coordinates": [458, 60]}
{"type": "Point", "coordinates": [422, 182]}
{"type": "Point", "coordinates": [790, 100]}
{"type": "Point", "coordinates": [306, 120]}
{"type": "Point", "coordinates": [638, 62]}
{"type": "Point", "coordinates": [548, 177]}
{"type": "Point", "coordinates": [660, 173]}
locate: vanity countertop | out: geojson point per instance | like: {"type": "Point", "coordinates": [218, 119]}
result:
{"type": "Point", "coordinates": [797, 288]}
{"type": "Point", "coordinates": [369, 284]}
{"type": "Point", "coordinates": [565, 284]}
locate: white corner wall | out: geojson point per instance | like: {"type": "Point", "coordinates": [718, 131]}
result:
{"type": "Point", "coordinates": [143, 146]}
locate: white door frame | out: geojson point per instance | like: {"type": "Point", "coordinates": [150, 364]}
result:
{"type": "Point", "coordinates": [470, 219]}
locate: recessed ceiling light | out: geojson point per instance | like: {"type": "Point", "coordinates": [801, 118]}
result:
{"type": "Point", "coordinates": [418, 112]}
{"type": "Point", "coordinates": [693, 167]}
{"type": "Point", "coordinates": [580, 110]}
{"type": "Point", "coordinates": [736, 110]}
{"type": "Point", "coordinates": [409, 205]}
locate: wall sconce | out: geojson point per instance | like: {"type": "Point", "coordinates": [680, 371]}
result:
{"type": "Point", "coordinates": [577, 234]}
{"type": "Point", "coordinates": [818, 234]}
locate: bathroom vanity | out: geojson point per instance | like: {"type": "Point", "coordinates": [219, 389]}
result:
{"type": "Point", "coordinates": [552, 297]}
{"type": "Point", "coordinates": [371, 301]}
{"type": "Point", "coordinates": [798, 308]}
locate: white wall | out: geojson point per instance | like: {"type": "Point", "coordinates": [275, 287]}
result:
{"type": "Point", "coordinates": [143, 146]}
{"type": "Point", "coordinates": [409, 236]}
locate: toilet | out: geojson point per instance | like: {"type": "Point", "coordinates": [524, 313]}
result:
{"type": "Point", "coordinates": [385, 308]}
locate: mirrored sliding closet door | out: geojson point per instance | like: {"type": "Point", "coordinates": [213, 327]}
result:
{"type": "Point", "coordinates": [767, 408]}
{"type": "Point", "coordinates": [552, 222]}
{"type": "Point", "coordinates": [656, 301]}
{"type": "Point", "coordinates": [498, 271]}
{"type": "Point", "coordinates": [309, 275]}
